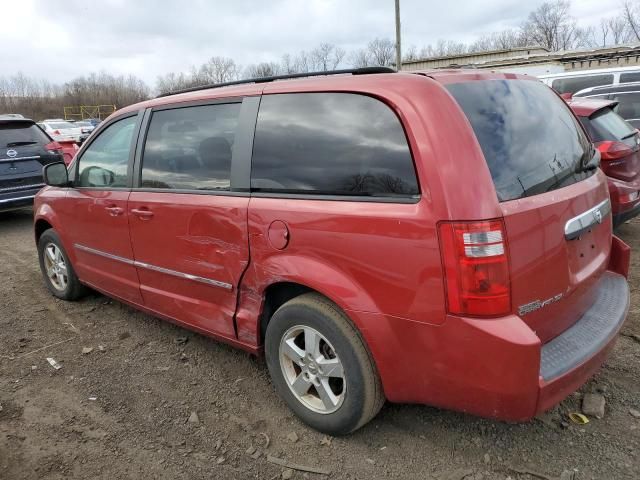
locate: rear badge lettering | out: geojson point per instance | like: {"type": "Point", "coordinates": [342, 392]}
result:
{"type": "Point", "coordinates": [537, 304]}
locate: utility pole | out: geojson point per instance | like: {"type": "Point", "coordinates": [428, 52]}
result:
{"type": "Point", "coordinates": [398, 47]}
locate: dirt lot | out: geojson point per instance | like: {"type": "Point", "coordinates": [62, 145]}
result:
{"type": "Point", "coordinates": [122, 410]}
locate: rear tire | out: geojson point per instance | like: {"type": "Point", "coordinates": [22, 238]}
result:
{"type": "Point", "coordinates": [57, 271]}
{"type": "Point", "coordinates": [331, 385]}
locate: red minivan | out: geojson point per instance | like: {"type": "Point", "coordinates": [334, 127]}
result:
{"type": "Point", "coordinates": [619, 145]}
{"type": "Point", "coordinates": [439, 237]}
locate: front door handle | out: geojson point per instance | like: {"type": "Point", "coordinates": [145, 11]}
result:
{"type": "Point", "coordinates": [143, 213]}
{"type": "Point", "coordinates": [114, 211]}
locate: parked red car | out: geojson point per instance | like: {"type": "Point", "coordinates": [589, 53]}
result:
{"type": "Point", "coordinates": [434, 237]}
{"type": "Point", "coordinates": [619, 146]}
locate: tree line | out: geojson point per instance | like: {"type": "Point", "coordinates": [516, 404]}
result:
{"type": "Point", "coordinates": [551, 25]}
{"type": "Point", "coordinates": [40, 99]}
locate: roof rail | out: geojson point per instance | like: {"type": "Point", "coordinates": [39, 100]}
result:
{"type": "Point", "coordinates": [352, 71]}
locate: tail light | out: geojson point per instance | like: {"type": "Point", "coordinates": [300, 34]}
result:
{"type": "Point", "coordinates": [628, 197]}
{"type": "Point", "coordinates": [54, 147]}
{"type": "Point", "coordinates": [476, 266]}
{"type": "Point", "coordinates": [613, 150]}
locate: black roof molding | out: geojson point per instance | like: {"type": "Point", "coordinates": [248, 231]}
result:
{"type": "Point", "coordinates": [349, 71]}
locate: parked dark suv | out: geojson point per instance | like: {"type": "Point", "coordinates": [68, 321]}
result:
{"type": "Point", "coordinates": [24, 149]}
{"type": "Point", "coordinates": [434, 237]}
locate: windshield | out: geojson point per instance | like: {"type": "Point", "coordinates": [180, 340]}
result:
{"type": "Point", "coordinates": [530, 139]}
{"type": "Point", "coordinates": [16, 134]}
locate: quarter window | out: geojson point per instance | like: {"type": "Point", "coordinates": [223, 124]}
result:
{"type": "Point", "coordinates": [189, 148]}
{"type": "Point", "coordinates": [104, 163]}
{"type": "Point", "coordinates": [331, 144]}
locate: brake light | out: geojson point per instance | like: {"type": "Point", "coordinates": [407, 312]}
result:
{"type": "Point", "coordinates": [56, 132]}
{"type": "Point", "coordinates": [613, 150]}
{"type": "Point", "coordinates": [476, 266]}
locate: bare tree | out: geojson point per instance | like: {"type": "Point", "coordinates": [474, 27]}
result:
{"type": "Point", "coordinates": [618, 29]}
{"type": "Point", "coordinates": [360, 58]}
{"type": "Point", "coordinates": [410, 54]}
{"type": "Point", "coordinates": [503, 40]}
{"type": "Point", "coordinates": [632, 18]}
{"type": "Point", "coordinates": [382, 52]}
{"type": "Point", "coordinates": [172, 81]}
{"type": "Point", "coordinates": [551, 26]}
{"type": "Point", "coordinates": [326, 56]}
{"type": "Point", "coordinates": [217, 70]}
{"type": "Point", "coordinates": [264, 69]}
{"type": "Point", "coordinates": [444, 48]}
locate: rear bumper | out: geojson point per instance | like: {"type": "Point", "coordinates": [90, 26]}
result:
{"type": "Point", "coordinates": [571, 358]}
{"type": "Point", "coordinates": [622, 207]}
{"type": "Point", "coordinates": [495, 368]}
{"type": "Point", "coordinates": [17, 199]}
{"type": "Point", "coordinates": [625, 215]}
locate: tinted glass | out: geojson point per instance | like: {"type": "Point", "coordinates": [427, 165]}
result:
{"type": "Point", "coordinates": [630, 77]}
{"type": "Point", "coordinates": [531, 141]}
{"type": "Point", "coordinates": [330, 143]}
{"type": "Point", "coordinates": [104, 163]}
{"type": "Point", "coordinates": [575, 84]}
{"type": "Point", "coordinates": [608, 125]}
{"type": "Point", "coordinates": [190, 148]}
{"type": "Point", "coordinates": [628, 106]}
{"type": "Point", "coordinates": [15, 134]}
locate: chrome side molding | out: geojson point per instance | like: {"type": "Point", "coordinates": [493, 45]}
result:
{"type": "Point", "coordinates": [585, 221]}
{"type": "Point", "coordinates": [187, 276]}
{"type": "Point", "coordinates": [103, 254]}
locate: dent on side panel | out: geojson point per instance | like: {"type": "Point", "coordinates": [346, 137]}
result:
{"type": "Point", "coordinates": [369, 257]}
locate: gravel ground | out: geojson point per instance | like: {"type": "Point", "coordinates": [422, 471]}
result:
{"type": "Point", "coordinates": [125, 409]}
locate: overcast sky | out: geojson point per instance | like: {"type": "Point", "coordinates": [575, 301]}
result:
{"type": "Point", "coordinates": [62, 39]}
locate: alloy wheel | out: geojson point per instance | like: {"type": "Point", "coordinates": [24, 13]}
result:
{"type": "Point", "coordinates": [55, 267]}
{"type": "Point", "coordinates": [312, 369]}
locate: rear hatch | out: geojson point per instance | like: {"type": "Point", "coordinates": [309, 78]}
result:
{"type": "Point", "coordinates": [618, 141]}
{"type": "Point", "coordinates": [22, 155]}
{"type": "Point", "coordinates": [539, 159]}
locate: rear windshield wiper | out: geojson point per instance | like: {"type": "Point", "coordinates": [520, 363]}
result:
{"type": "Point", "coordinates": [629, 135]}
{"type": "Point", "coordinates": [19, 144]}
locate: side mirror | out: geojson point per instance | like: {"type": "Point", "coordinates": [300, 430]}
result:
{"type": "Point", "coordinates": [56, 175]}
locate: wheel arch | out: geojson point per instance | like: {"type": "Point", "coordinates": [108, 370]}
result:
{"type": "Point", "coordinates": [289, 277]}
{"type": "Point", "coordinates": [41, 225]}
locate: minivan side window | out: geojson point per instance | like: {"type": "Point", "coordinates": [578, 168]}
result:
{"type": "Point", "coordinates": [630, 77]}
{"type": "Point", "coordinates": [104, 163]}
{"type": "Point", "coordinates": [189, 148]}
{"type": "Point", "coordinates": [331, 144]}
{"type": "Point", "coordinates": [575, 84]}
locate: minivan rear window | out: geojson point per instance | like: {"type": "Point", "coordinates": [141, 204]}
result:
{"type": "Point", "coordinates": [530, 139]}
{"type": "Point", "coordinates": [608, 125]}
{"type": "Point", "coordinates": [21, 133]}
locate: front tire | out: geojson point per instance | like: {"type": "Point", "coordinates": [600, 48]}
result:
{"type": "Point", "coordinates": [320, 366]}
{"type": "Point", "coordinates": [57, 271]}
